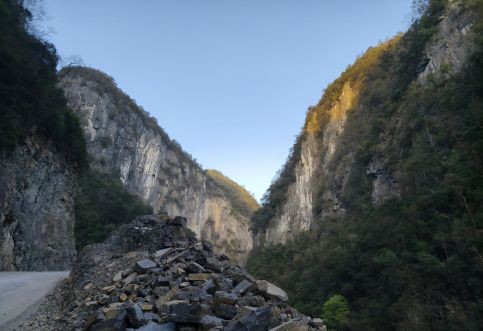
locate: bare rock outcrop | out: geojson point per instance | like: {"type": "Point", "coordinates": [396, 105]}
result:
{"type": "Point", "coordinates": [36, 208]}
{"type": "Point", "coordinates": [124, 140]}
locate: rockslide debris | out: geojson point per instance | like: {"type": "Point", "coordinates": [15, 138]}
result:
{"type": "Point", "coordinates": [152, 274]}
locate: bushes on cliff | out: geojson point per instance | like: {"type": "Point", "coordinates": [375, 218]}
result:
{"type": "Point", "coordinates": [101, 205]}
{"type": "Point", "coordinates": [30, 101]}
{"type": "Point", "coordinates": [242, 201]}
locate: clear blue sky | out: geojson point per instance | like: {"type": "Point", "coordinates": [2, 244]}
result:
{"type": "Point", "coordinates": [230, 80]}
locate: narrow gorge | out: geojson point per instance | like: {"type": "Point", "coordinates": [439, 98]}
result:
{"type": "Point", "coordinates": [122, 139]}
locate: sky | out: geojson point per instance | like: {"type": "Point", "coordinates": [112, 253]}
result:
{"type": "Point", "coordinates": [230, 80]}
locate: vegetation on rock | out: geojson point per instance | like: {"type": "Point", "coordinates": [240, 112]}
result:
{"type": "Point", "coordinates": [102, 205]}
{"type": "Point", "coordinates": [30, 102]}
{"type": "Point", "coordinates": [243, 202]}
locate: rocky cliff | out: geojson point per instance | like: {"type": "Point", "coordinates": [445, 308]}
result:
{"type": "Point", "coordinates": [123, 139]}
{"type": "Point", "coordinates": [36, 208]}
{"type": "Point", "coordinates": [317, 172]}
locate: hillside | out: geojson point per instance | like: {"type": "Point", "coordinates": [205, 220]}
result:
{"type": "Point", "coordinates": [125, 142]}
{"type": "Point", "coordinates": [380, 200]}
{"type": "Point", "coordinates": [243, 201]}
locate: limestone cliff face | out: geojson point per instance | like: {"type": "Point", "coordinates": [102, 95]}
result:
{"type": "Point", "coordinates": [324, 163]}
{"type": "Point", "coordinates": [123, 140]}
{"type": "Point", "coordinates": [296, 214]}
{"type": "Point", "coordinates": [36, 208]}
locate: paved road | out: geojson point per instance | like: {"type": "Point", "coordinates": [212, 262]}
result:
{"type": "Point", "coordinates": [20, 290]}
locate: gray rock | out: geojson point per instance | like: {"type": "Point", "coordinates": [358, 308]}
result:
{"type": "Point", "coordinates": [208, 322]}
{"type": "Point", "coordinates": [225, 311]}
{"type": "Point", "coordinates": [243, 287]}
{"type": "Point", "coordinates": [153, 326]}
{"type": "Point", "coordinates": [271, 290]}
{"type": "Point", "coordinates": [258, 320]}
{"type": "Point", "coordinates": [225, 297]}
{"type": "Point", "coordinates": [113, 324]}
{"type": "Point", "coordinates": [144, 265]}
{"type": "Point", "coordinates": [135, 314]}
{"type": "Point", "coordinates": [37, 190]}
{"type": "Point", "coordinates": [162, 252]}
{"type": "Point", "coordinates": [184, 312]}
{"type": "Point", "coordinates": [292, 325]}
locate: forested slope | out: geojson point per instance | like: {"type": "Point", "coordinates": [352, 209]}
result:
{"type": "Point", "coordinates": [390, 165]}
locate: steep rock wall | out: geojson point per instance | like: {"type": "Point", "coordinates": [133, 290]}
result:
{"type": "Point", "coordinates": [296, 214]}
{"type": "Point", "coordinates": [36, 208]}
{"type": "Point", "coordinates": [324, 163]}
{"type": "Point", "coordinates": [123, 140]}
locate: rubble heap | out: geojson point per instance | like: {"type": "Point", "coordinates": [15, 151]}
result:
{"type": "Point", "coordinates": [152, 274]}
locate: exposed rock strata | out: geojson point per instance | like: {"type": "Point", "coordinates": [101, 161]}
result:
{"type": "Point", "coordinates": [122, 139]}
{"type": "Point", "coordinates": [36, 208]}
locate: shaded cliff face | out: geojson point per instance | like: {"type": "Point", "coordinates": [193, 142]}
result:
{"type": "Point", "coordinates": [36, 208]}
{"type": "Point", "coordinates": [318, 171]}
{"type": "Point", "coordinates": [122, 139]}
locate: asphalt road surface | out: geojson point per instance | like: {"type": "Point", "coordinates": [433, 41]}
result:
{"type": "Point", "coordinates": [20, 290]}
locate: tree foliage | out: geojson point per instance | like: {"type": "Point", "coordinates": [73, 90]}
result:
{"type": "Point", "coordinates": [101, 205]}
{"type": "Point", "coordinates": [30, 102]}
{"type": "Point", "coordinates": [335, 312]}
{"type": "Point", "coordinates": [242, 201]}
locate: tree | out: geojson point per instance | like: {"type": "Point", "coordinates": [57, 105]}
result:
{"type": "Point", "coordinates": [335, 312]}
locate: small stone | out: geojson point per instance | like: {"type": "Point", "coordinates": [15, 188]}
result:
{"type": "Point", "coordinates": [198, 277]}
{"type": "Point", "coordinates": [110, 312]}
{"type": "Point", "coordinates": [163, 281]}
{"type": "Point", "coordinates": [108, 289]}
{"type": "Point", "coordinates": [129, 279]}
{"type": "Point", "coordinates": [292, 325]}
{"type": "Point", "coordinates": [135, 314]}
{"type": "Point", "coordinates": [123, 297]}
{"type": "Point", "coordinates": [225, 297]}
{"type": "Point", "coordinates": [208, 322]}
{"type": "Point", "coordinates": [144, 265]}
{"type": "Point", "coordinates": [243, 287]}
{"type": "Point", "coordinates": [118, 276]}
{"type": "Point", "coordinates": [90, 303]}
{"type": "Point", "coordinates": [88, 286]}
{"type": "Point", "coordinates": [225, 311]}
{"type": "Point", "coordinates": [147, 307]}
{"type": "Point", "coordinates": [153, 326]}
{"type": "Point", "coordinates": [317, 322]}
{"type": "Point", "coordinates": [159, 254]}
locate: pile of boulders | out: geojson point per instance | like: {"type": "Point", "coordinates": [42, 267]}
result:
{"type": "Point", "coordinates": [153, 274]}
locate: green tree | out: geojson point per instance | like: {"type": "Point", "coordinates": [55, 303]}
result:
{"type": "Point", "coordinates": [335, 312]}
